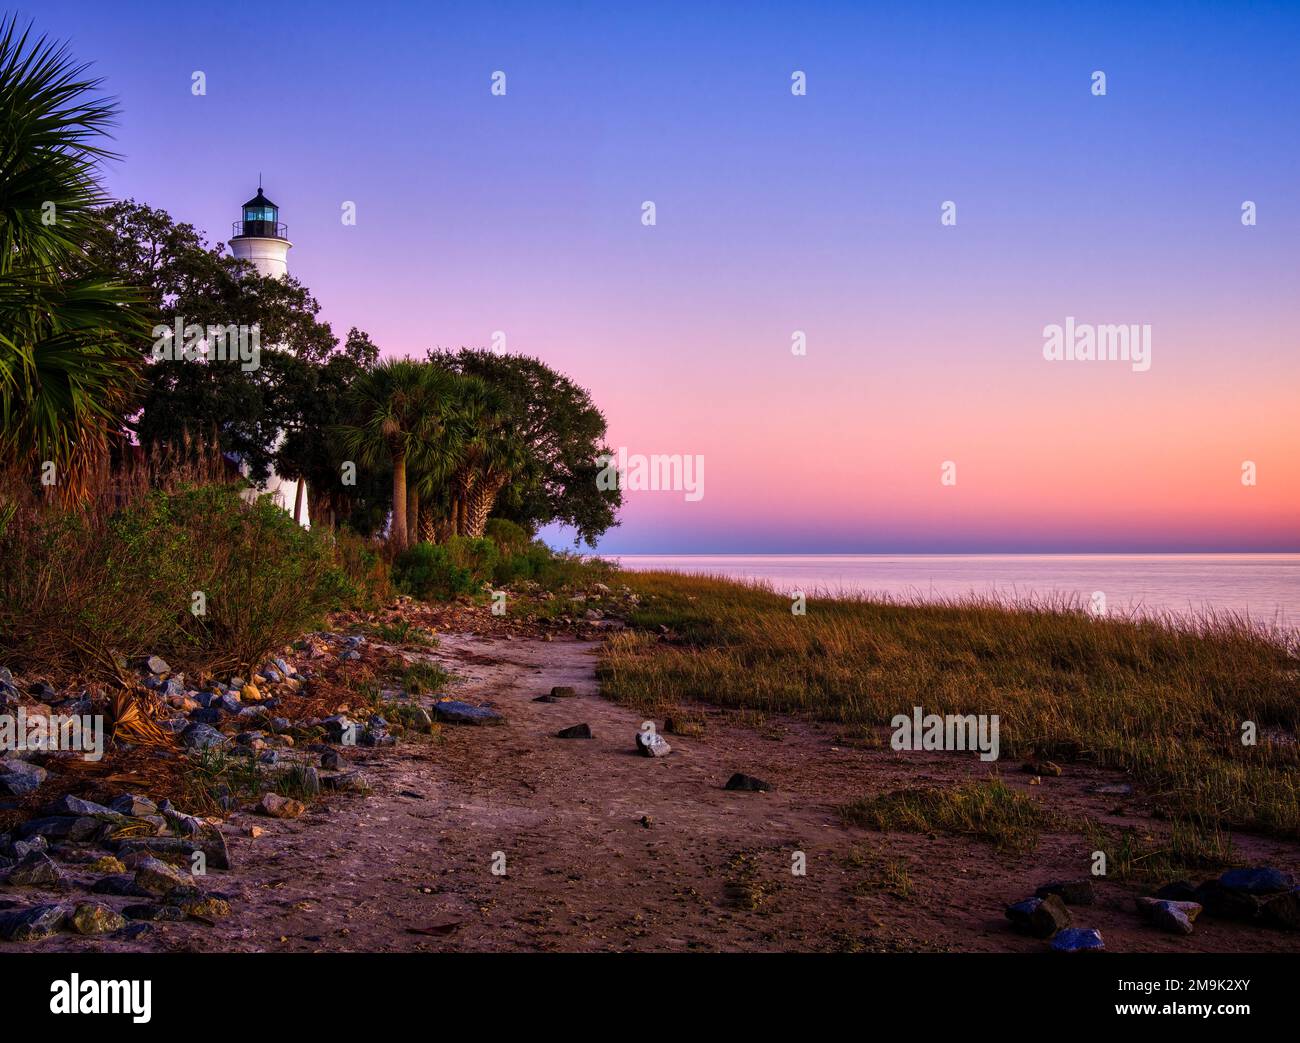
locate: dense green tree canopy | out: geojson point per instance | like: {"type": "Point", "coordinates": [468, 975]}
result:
{"type": "Point", "coordinates": [561, 433]}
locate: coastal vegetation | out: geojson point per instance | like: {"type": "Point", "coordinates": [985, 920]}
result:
{"type": "Point", "coordinates": [1168, 704]}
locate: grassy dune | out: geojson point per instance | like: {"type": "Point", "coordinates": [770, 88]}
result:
{"type": "Point", "coordinates": [1165, 703]}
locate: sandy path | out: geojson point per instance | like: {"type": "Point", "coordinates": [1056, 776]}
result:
{"type": "Point", "coordinates": [410, 866]}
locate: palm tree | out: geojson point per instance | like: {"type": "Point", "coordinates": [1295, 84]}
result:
{"type": "Point", "coordinates": [70, 339]}
{"type": "Point", "coordinates": [490, 455]}
{"type": "Point", "coordinates": [399, 407]}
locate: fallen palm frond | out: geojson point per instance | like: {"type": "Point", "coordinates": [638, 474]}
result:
{"type": "Point", "coordinates": [133, 720]}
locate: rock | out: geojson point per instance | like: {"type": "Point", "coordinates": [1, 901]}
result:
{"type": "Point", "coordinates": [19, 778]}
{"type": "Point", "coordinates": [1174, 917]}
{"type": "Point", "coordinates": [346, 782]}
{"type": "Point", "coordinates": [131, 932]}
{"type": "Point", "coordinates": [63, 828]}
{"type": "Point", "coordinates": [649, 743]}
{"type": "Point", "coordinates": [29, 925]}
{"type": "Point", "coordinates": [453, 711]}
{"type": "Point", "coordinates": [1259, 881]}
{"type": "Point", "coordinates": [376, 735]}
{"type": "Point", "coordinates": [20, 849]}
{"type": "Point", "coordinates": [1078, 939]}
{"type": "Point", "coordinates": [546, 699]}
{"type": "Point", "coordinates": [107, 864]}
{"type": "Point", "coordinates": [1041, 768]}
{"type": "Point", "coordinates": [157, 666]}
{"type": "Point", "coordinates": [1282, 910]}
{"type": "Point", "coordinates": [201, 736]}
{"type": "Point", "coordinates": [206, 907]}
{"type": "Point", "coordinates": [1146, 907]}
{"type": "Point", "coordinates": [1021, 913]}
{"type": "Point", "coordinates": [69, 805]}
{"type": "Point", "coordinates": [1071, 892]}
{"type": "Point", "coordinates": [159, 878]}
{"type": "Point", "coordinates": [276, 806]}
{"type": "Point", "coordinates": [1222, 902]}
{"type": "Point", "coordinates": [331, 760]}
{"type": "Point", "coordinates": [37, 870]}
{"type": "Point", "coordinates": [1048, 917]}
{"type": "Point", "coordinates": [155, 913]}
{"type": "Point", "coordinates": [94, 918]}
{"type": "Point", "coordinates": [575, 731]}
{"type": "Point", "coordinates": [133, 804]}
{"type": "Point", "coordinates": [210, 840]}
{"type": "Point", "coordinates": [420, 720]}
{"type": "Point", "coordinates": [1041, 917]}
{"type": "Point", "coordinates": [250, 693]}
{"type": "Point", "coordinates": [184, 825]}
{"type": "Point", "coordinates": [1112, 789]}
{"type": "Point", "coordinates": [563, 692]}
{"type": "Point", "coordinates": [340, 728]}
{"type": "Point", "coordinates": [121, 884]}
{"type": "Point", "coordinates": [255, 832]}
{"type": "Point", "coordinates": [747, 783]}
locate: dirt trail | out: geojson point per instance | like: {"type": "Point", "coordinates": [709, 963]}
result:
{"type": "Point", "coordinates": [410, 866]}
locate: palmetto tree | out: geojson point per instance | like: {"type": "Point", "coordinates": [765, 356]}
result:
{"type": "Point", "coordinates": [69, 339]}
{"type": "Point", "coordinates": [399, 408]}
{"type": "Point", "coordinates": [489, 454]}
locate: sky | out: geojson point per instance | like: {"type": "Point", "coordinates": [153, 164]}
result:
{"type": "Point", "coordinates": [776, 213]}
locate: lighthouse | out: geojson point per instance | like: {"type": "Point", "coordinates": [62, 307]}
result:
{"type": "Point", "coordinates": [261, 238]}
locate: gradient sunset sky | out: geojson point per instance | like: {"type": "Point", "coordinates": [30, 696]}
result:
{"type": "Point", "coordinates": [779, 213]}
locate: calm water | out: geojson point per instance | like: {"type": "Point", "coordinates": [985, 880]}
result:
{"type": "Point", "coordinates": [1264, 586]}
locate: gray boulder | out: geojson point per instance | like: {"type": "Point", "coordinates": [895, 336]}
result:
{"type": "Point", "coordinates": [453, 711]}
{"type": "Point", "coordinates": [29, 925]}
{"type": "Point", "coordinates": [1258, 881]}
{"type": "Point", "coordinates": [199, 736]}
{"type": "Point", "coordinates": [37, 870]}
{"type": "Point", "coordinates": [19, 778]}
{"type": "Point", "coordinates": [1078, 939]}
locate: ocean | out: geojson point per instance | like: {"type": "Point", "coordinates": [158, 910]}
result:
{"type": "Point", "coordinates": [1263, 587]}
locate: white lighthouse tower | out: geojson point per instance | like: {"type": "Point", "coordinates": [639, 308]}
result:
{"type": "Point", "coordinates": [261, 239]}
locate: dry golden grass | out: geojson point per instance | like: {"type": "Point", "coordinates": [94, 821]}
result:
{"type": "Point", "coordinates": [1164, 702]}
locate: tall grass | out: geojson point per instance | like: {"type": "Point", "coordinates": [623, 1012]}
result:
{"type": "Point", "coordinates": [1162, 701]}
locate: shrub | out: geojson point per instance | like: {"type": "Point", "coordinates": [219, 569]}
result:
{"type": "Point", "coordinates": [510, 539]}
{"type": "Point", "coordinates": [83, 589]}
{"type": "Point", "coordinates": [362, 561]}
{"type": "Point", "coordinates": [432, 571]}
